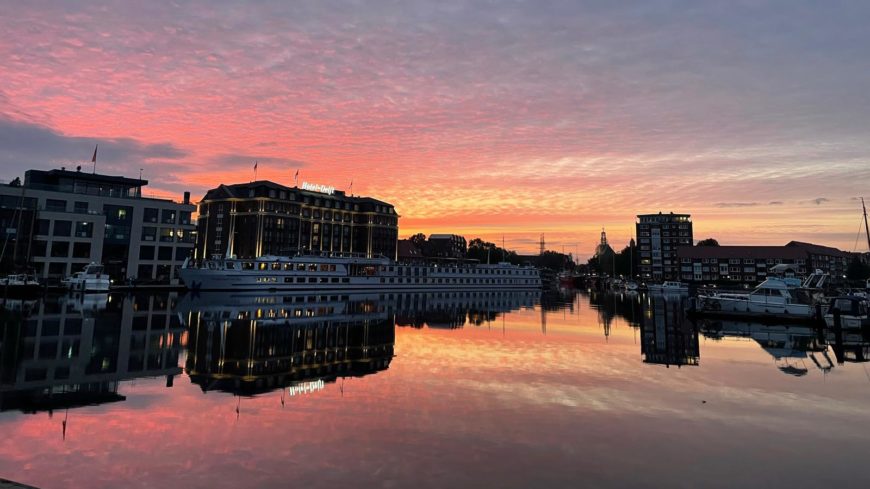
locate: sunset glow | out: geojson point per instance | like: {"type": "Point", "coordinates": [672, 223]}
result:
{"type": "Point", "coordinates": [484, 120]}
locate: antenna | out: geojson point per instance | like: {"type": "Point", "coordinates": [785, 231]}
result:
{"type": "Point", "coordinates": [542, 243]}
{"type": "Point", "coordinates": [866, 228]}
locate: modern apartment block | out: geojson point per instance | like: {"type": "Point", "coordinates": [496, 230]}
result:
{"type": "Point", "coordinates": [58, 221]}
{"type": "Point", "coordinates": [658, 236]}
{"type": "Point", "coordinates": [265, 218]}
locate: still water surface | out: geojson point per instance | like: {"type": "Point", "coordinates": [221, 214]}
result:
{"type": "Point", "coordinates": [460, 389]}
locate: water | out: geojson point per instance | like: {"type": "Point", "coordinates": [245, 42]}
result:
{"type": "Point", "coordinates": [500, 389]}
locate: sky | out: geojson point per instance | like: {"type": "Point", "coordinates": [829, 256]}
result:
{"type": "Point", "coordinates": [491, 119]}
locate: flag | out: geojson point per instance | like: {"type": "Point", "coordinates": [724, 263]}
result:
{"type": "Point", "coordinates": [296, 176]}
{"type": "Point", "coordinates": [94, 159]}
{"type": "Point", "coordinates": [255, 164]}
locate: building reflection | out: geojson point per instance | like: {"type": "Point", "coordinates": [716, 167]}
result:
{"type": "Point", "coordinates": [667, 336]}
{"type": "Point", "coordinates": [609, 304]}
{"type": "Point", "coordinates": [455, 309]}
{"type": "Point", "coordinates": [249, 345]}
{"type": "Point", "coordinates": [70, 351]}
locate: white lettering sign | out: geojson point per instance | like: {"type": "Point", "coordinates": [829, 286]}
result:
{"type": "Point", "coordinates": [316, 187]}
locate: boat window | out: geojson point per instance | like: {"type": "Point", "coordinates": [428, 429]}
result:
{"type": "Point", "coordinates": [247, 266]}
{"type": "Point", "coordinates": [288, 266]}
{"type": "Point", "coordinates": [300, 267]}
{"type": "Point", "coordinates": [261, 266]}
{"type": "Point", "coordinates": [324, 267]}
{"type": "Point", "coordinates": [276, 266]}
{"type": "Point", "coordinates": [312, 268]}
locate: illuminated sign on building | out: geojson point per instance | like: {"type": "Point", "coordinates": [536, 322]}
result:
{"type": "Point", "coordinates": [316, 187]}
{"type": "Point", "coordinates": [306, 387]}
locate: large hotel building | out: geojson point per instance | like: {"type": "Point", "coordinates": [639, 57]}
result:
{"type": "Point", "coordinates": [58, 221]}
{"type": "Point", "coordinates": [658, 236]}
{"type": "Point", "coordinates": [264, 218]}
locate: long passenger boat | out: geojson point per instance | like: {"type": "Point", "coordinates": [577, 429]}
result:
{"type": "Point", "coordinates": [326, 271]}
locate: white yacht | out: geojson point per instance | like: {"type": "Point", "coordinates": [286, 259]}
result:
{"type": "Point", "coordinates": [324, 271]}
{"type": "Point", "coordinates": [668, 287]}
{"type": "Point", "coordinates": [853, 312]}
{"type": "Point", "coordinates": [774, 298]}
{"type": "Point", "coordinates": [91, 279]}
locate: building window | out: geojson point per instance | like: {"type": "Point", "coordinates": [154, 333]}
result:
{"type": "Point", "coordinates": [146, 252]}
{"type": "Point", "coordinates": [62, 228]}
{"type": "Point", "coordinates": [149, 233]}
{"type": "Point", "coordinates": [167, 235]}
{"type": "Point", "coordinates": [42, 226]}
{"type": "Point", "coordinates": [55, 205]}
{"type": "Point", "coordinates": [57, 268]}
{"type": "Point", "coordinates": [80, 207]}
{"type": "Point", "coordinates": [182, 253]}
{"type": "Point", "coordinates": [167, 216]}
{"type": "Point", "coordinates": [60, 249]}
{"type": "Point", "coordinates": [184, 217]}
{"type": "Point", "coordinates": [81, 250]}
{"type": "Point", "coordinates": [144, 272]}
{"type": "Point", "coordinates": [164, 253]}
{"type": "Point", "coordinates": [84, 229]}
{"type": "Point", "coordinates": [150, 215]}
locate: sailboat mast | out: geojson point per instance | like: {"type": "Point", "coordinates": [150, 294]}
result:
{"type": "Point", "coordinates": [866, 228]}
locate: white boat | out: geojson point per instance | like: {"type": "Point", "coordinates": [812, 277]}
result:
{"type": "Point", "coordinates": [324, 271]}
{"type": "Point", "coordinates": [668, 287]}
{"type": "Point", "coordinates": [91, 279]}
{"type": "Point", "coordinates": [773, 298]}
{"type": "Point", "coordinates": [19, 283]}
{"type": "Point", "coordinates": [853, 312]}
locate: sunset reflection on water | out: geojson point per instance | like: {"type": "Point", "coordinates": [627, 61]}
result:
{"type": "Point", "coordinates": [503, 390]}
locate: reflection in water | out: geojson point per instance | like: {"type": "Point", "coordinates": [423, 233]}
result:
{"type": "Point", "coordinates": [251, 345]}
{"type": "Point", "coordinates": [789, 346]}
{"type": "Point", "coordinates": [72, 351]}
{"type": "Point", "coordinates": [433, 398]}
{"type": "Point", "coordinates": [668, 337]}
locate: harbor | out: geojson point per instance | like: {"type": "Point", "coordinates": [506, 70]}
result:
{"type": "Point", "coordinates": [229, 386]}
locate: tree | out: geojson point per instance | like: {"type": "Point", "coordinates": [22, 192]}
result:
{"type": "Point", "coordinates": [708, 242]}
{"type": "Point", "coordinates": [418, 240]}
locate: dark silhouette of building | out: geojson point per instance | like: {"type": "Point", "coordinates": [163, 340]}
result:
{"type": "Point", "coordinates": [446, 246]}
{"type": "Point", "coordinates": [265, 218]}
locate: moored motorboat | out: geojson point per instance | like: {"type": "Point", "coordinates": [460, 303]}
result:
{"type": "Point", "coordinates": [20, 284]}
{"type": "Point", "coordinates": [774, 298]}
{"type": "Point", "coordinates": [852, 310]}
{"type": "Point", "coordinates": [669, 287]}
{"type": "Point", "coordinates": [91, 279]}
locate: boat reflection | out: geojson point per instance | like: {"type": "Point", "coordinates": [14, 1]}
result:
{"type": "Point", "coordinates": [64, 352]}
{"type": "Point", "coordinates": [670, 338]}
{"type": "Point", "coordinates": [252, 344]}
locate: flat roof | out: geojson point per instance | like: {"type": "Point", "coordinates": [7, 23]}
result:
{"type": "Point", "coordinates": [756, 252]}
